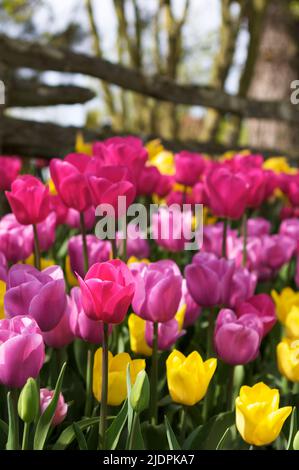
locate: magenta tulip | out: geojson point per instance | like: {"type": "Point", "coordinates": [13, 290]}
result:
{"type": "Point", "coordinates": [16, 240]}
{"type": "Point", "coordinates": [61, 335]}
{"type": "Point", "coordinates": [81, 325]}
{"type": "Point", "coordinates": [10, 168]}
{"type": "Point", "coordinates": [188, 168]}
{"type": "Point", "coordinates": [46, 396]}
{"type": "Point", "coordinates": [258, 226]}
{"type": "Point", "coordinates": [237, 340]}
{"type": "Point", "coordinates": [242, 287]}
{"type": "Point", "coordinates": [148, 181]}
{"type": "Point", "coordinates": [263, 307]}
{"type": "Point", "coordinates": [22, 351]}
{"type": "Point", "coordinates": [98, 251]}
{"type": "Point", "coordinates": [46, 232]}
{"type": "Point", "coordinates": [70, 181]}
{"type": "Point", "coordinates": [39, 294]}
{"type": "Point", "coordinates": [29, 200]}
{"type": "Point", "coordinates": [107, 291]}
{"type": "Point", "coordinates": [227, 192]}
{"type": "Point", "coordinates": [158, 291]}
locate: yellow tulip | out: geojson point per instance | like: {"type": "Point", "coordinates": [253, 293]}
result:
{"type": "Point", "coordinates": [180, 316]}
{"type": "Point", "coordinates": [188, 378]}
{"type": "Point", "coordinates": [70, 276]}
{"type": "Point", "coordinates": [279, 165]}
{"type": "Point", "coordinates": [292, 323]}
{"type": "Point", "coordinates": [52, 188]}
{"type": "Point", "coordinates": [138, 343]}
{"type": "Point", "coordinates": [284, 302]}
{"type": "Point", "coordinates": [117, 375]}
{"type": "Point", "coordinates": [44, 262]}
{"type": "Point", "coordinates": [82, 146]}
{"type": "Point", "coordinates": [258, 417]}
{"type": "Point", "coordinates": [154, 147]}
{"type": "Point", "coordinates": [288, 358]}
{"type": "Point", "coordinates": [164, 161]}
{"type": "Point", "coordinates": [133, 259]}
{"type": "Point", "coordinates": [2, 294]}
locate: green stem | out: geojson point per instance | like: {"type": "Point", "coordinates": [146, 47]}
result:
{"type": "Point", "coordinates": [84, 240]}
{"type": "Point", "coordinates": [210, 336]}
{"type": "Point", "coordinates": [25, 441]}
{"type": "Point", "coordinates": [154, 377]}
{"type": "Point", "coordinates": [15, 397]}
{"type": "Point", "coordinates": [224, 238]}
{"type": "Point", "coordinates": [36, 248]}
{"type": "Point", "coordinates": [183, 424]}
{"type": "Point", "coordinates": [244, 233]}
{"type": "Point", "coordinates": [89, 376]}
{"type": "Point", "coordinates": [104, 394]}
{"type": "Point", "coordinates": [133, 431]}
{"type": "Point", "coordinates": [230, 388]}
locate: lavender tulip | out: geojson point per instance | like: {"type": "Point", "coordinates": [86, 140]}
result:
{"type": "Point", "coordinates": [61, 335]}
{"type": "Point", "coordinates": [98, 251]}
{"type": "Point", "coordinates": [16, 240]}
{"type": "Point", "coordinates": [168, 334]}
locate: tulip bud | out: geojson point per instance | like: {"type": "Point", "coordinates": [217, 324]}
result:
{"type": "Point", "coordinates": [139, 396]}
{"type": "Point", "coordinates": [28, 404]}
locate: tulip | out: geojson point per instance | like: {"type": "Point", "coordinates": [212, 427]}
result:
{"type": "Point", "coordinates": [117, 371]}
{"type": "Point", "coordinates": [164, 161]}
{"type": "Point", "coordinates": [81, 325]}
{"type": "Point", "coordinates": [209, 279]}
{"type": "Point", "coordinates": [107, 291]}
{"type": "Point", "coordinates": [148, 181]}
{"type": "Point", "coordinates": [108, 185]}
{"type": "Point", "coordinates": [61, 335]}
{"type": "Point", "coordinates": [70, 181]}
{"type": "Point", "coordinates": [46, 232]}
{"type": "Point", "coordinates": [158, 288]}
{"type": "Point", "coordinates": [259, 419]}
{"type": "Point", "coordinates": [168, 334]}
{"type": "Point", "coordinates": [227, 192]}
{"type": "Point", "coordinates": [257, 180]}
{"type": "Point", "coordinates": [188, 168]}
{"type": "Point", "coordinates": [212, 239]}
{"type": "Point", "coordinates": [192, 310]}
{"type": "Point", "coordinates": [10, 168]}
{"type": "Point", "coordinates": [172, 228]}
{"type": "Point", "coordinates": [262, 306]}
{"type": "Point", "coordinates": [29, 200]}
{"type": "Point", "coordinates": [140, 393]}
{"type": "Point", "coordinates": [46, 396]}
{"type": "Point", "coordinates": [290, 228]}
{"type": "Point", "coordinates": [28, 403]}
{"type": "Point", "coordinates": [59, 208]}
{"type": "Point", "coordinates": [22, 351]}
{"type": "Point", "coordinates": [72, 218]}
{"type": "Point", "coordinates": [284, 302]}
{"type": "Point", "coordinates": [35, 293]}
{"type": "Point", "coordinates": [98, 252]}
{"type": "Point", "coordinates": [138, 343]}
{"type": "Point", "coordinates": [188, 378]}
{"type": "Point", "coordinates": [258, 226]}
{"type": "Point", "coordinates": [242, 287]}
{"type": "Point", "coordinates": [137, 245]}
{"type": "Point", "coordinates": [278, 250]}
{"type": "Point", "coordinates": [16, 240]}
{"type": "Point", "coordinates": [2, 295]}
{"type": "Point", "coordinates": [288, 358]}
{"type": "Point", "coordinates": [164, 185]}
{"type": "Point", "coordinates": [237, 340]}
{"type": "Point", "coordinates": [3, 267]}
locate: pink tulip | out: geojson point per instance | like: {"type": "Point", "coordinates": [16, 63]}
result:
{"type": "Point", "coordinates": [290, 228]}
{"type": "Point", "coordinates": [22, 351]}
{"type": "Point", "coordinates": [148, 181]}
{"type": "Point", "coordinates": [164, 185]}
{"type": "Point", "coordinates": [46, 396]}
{"type": "Point", "coordinates": [158, 290]}
{"type": "Point", "coordinates": [98, 251]}
{"type": "Point", "coordinates": [212, 239]}
{"type": "Point", "coordinates": [61, 335]}
{"type": "Point", "coordinates": [36, 293]}
{"type": "Point", "coordinates": [137, 246]}
{"type": "Point", "coordinates": [227, 192]}
{"type": "Point", "coordinates": [263, 307]}
{"type": "Point", "coordinates": [73, 218]}
{"type": "Point", "coordinates": [257, 180]}
{"type": "Point", "coordinates": [168, 334]}
{"type": "Point", "coordinates": [242, 286]}
{"type": "Point", "coordinates": [188, 167]}
{"type": "Point", "coordinates": [237, 340]}
{"type": "Point", "coordinates": [46, 232]}
{"type": "Point", "coordinates": [193, 310]}
{"type": "Point", "coordinates": [29, 200]}
{"type": "Point", "coordinates": [16, 240]}
{"type": "Point", "coordinates": [81, 325]}
{"type": "Point", "coordinates": [70, 181]}
{"type": "Point", "coordinates": [3, 267]}
{"type": "Point", "coordinates": [107, 291]}
{"type": "Point", "coordinates": [10, 168]}
{"type": "Point", "coordinates": [258, 226]}
{"type": "Point", "coordinates": [172, 228]}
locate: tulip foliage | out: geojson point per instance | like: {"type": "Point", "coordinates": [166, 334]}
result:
{"type": "Point", "coordinates": [141, 340]}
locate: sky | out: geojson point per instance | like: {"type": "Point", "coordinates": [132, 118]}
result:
{"type": "Point", "coordinates": [200, 34]}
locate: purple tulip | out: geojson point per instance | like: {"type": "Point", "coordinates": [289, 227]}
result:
{"type": "Point", "coordinates": [46, 396]}
{"type": "Point", "coordinates": [158, 290]}
{"type": "Point", "coordinates": [168, 334]}
{"type": "Point", "coordinates": [242, 287]}
{"type": "Point", "coordinates": [16, 240]}
{"type": "Point", "coordinates": [172, 228]}
{"type": "Point", "coordinates": [46, 232]}
{"type": "Point", "coordinates": [22, 351]}
{"type": "Point", "coordinates": [61, 335]}
{"type": "Point", "coordinates": [263, 307]}
{"type": "Point", "coordinates": [3, 267]}
{"type": "Point", "coordinates": [72, 218]}
{"type": "Point", "coordinates": [209, 279]}
{"type": "Point", "coordinates": [39, 294]}
{"type": "Point", "coordinates": [137, 246]}
{"type": "Point", "coordinates": [258, 226]}
{"type": "Point", "coordinates": [212, 239]}
{"type": "Point", "coordinates": [98, 251]}
{"type": "Point", "coordinates": [278, 250]}
{"type": "Point", "coordinates": [237, 340]}
{"type": "Point", "coordinates": [290, 228]}
{"type": "Point", "coordinates": [81, 325]}
{"type": "Point", "coordinates": [193, 310]}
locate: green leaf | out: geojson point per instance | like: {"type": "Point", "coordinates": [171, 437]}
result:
{"type": "Point", "coordinates": [172, 440]}
{"type": "Point", "coordinates": [136, 441]}
{"type": "Point", "coordinates": [13, 429]}
{"type": "Point", "coordinates": [220, 443]}
{"type": "Point", "coordinates": [4, 427]}
{"type": "Point", "coordinates": [209, 435]}
{"type": "Point", "coordinates": [115, 429]}
{"type": "Point", "coordinates": [130, 409]}
{"type": "Point", "coordinates": [191, 438]}
{"type": "Point", "coordinates": [68, 435]}
{"type": "Point", "coordinates": [292, 428]}
{"type": "Point", "coordinates": [80, 437]}
{"type": "Point", "coordinates": [45, 420]}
